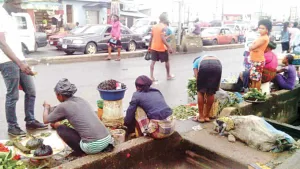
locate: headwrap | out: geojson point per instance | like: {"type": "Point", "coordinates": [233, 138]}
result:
{"type": "Point", "coordinates": [144, 83]}
{"type": "Point", "coordinates": [272, 45]}
{"type": "Point", "coordinates": [64, 87]}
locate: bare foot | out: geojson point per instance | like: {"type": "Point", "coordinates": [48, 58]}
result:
{"type": "Point", "coordinates": [153, 79]}
{"type": "Point", "coordinates": [170, 77]}
{"type": "Point", "coordinates": [200, 120]}
{"type": "Point", "coordinates": [118, 59]}
{"type": "Point", "coordinates": [207, 119]}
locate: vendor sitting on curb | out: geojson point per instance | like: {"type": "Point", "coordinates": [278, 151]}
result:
{"type": "Point", "coordinates": [148, 112]}
{"type": "Point", "coordinates": [288, 79]}
{"type": "Point", "coordinates": [89, 135]}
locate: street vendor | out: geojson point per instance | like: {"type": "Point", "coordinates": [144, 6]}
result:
{"type": "Point", "coordinates": [148, 112]}
{"type": "Point", "coordinates": [89, 135]}
{"type": "Point", "coordinates": [269, 71]}
{"type": "Point", "coordinates": [208, 72]}
{"type": "Point", "coordinates": [288, 79]}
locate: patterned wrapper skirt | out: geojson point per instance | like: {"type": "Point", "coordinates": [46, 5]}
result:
{"type": "Point", "coordinates": [157, 129]}
{"type": "Point", "coordinates": [256, 70]}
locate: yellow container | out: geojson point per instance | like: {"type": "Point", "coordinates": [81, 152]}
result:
{"type": "Point", "coordinates": [100, 113]}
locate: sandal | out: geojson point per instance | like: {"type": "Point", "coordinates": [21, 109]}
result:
{"type": "Point", "coordinates": [207, 119]}
{"type": "Point", "coordinates": [172, 77]}
{"type": "Point", "coordinates": [118, 59]}
{"type": "Point", "coordinates": [108, 58]}
{"type": "Point", "coordinates": [196, 119]}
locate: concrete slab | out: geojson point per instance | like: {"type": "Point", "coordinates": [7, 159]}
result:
{"type": "Point", "coordinates": [219, 149]}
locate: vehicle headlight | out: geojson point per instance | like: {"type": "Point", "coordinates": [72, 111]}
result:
{"type": "Point", "coordinates": [77, 41]}
{"type": "Point", "coordinates": [60, 40]}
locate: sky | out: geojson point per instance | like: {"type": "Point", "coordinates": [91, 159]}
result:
{"type": "Point", "coordinates": [277, 8]}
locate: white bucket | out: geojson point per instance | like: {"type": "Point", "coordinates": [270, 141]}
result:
{"type": "Point", "coordinates": [113, 113]}
{"type": "Point", "coordinates": [265, 88]}
{"type": "Point", "coordinates": [118, 135]}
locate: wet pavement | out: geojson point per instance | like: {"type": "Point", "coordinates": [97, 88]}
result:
{"type": "Point", "coordinates": [88, 75]}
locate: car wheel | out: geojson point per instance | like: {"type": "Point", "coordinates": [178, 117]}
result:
{"type": "Point", "coordinates": [35, 47]}
{"type": "Point", "coordinates": [232, 41]}
{"type": "Point", "coordinates": [215, 42]}
{"type": "Point", "coordinates": [131, 46]}
{"type": "Point", "coordinates": [69, 52]}
{"type": "Point", "coordinates": [25, 49]}
{"type": "Point", "coordinates": [90, 48]}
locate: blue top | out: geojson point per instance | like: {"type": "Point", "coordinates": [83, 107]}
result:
{"type": "Point", "coordinates": [197, 62]}
{"type": "Point", "coordinates": [168, 33]}
{"type": "Point", "coordinates": [152, 102]}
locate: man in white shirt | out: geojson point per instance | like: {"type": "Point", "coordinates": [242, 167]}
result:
{"type": "Point", "coordinates": [15, 71]}
{"type": "Point", "coordinates": [293, 32]}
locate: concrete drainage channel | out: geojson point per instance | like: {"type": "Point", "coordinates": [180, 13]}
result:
{"type": "Point", "coordinates": [174, 152]}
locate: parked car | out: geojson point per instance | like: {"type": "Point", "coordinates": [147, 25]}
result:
{"type": "Point", "coordinates": [143, 22]}
{"type": "Point", "coordinates": [218, 36]}
{"type": "Point", "coordinates": [41, 39]}
{"type": "Point", "coordinates": [95, 39]}
{"type": "Point", "coordinates": [276, 32]}
{"type": "Point", "coordinates": [56, 40]}
{"type": "Point", "coordinates": [27, 32]}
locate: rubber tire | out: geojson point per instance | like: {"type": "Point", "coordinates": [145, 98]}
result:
{"type": "Point", "coordinates": [215, 42]}
{"type": "Point", "coordinates": [69, 52]}
{"type": "Point", "coordinates": [90, 43]}
{"type": "Point", "coordinates": [232, 41]}
{"type": "Point", "coordinates": [129, 45]}
{"type": "Point", "coordinates": [25, 49]}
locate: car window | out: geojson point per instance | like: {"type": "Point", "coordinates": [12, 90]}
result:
{"type": "Point", "coordinates": [124, 31]}
{"type": "Point", "coordinates": [237, 28]}
{"type": "Point", "coordinates": [211, 31]}
{"type": "Point", "coordinates": [227, 31]}
{"type": "Point", "coordinates": [21, 21]}
{"type": "Point", "coordinates": [95, 29]}
{"type": "Point", "coordinates": [222, 31]}
{"type": "Point", "coordinates": [78, 30]}
{"type": "Point", "coordinates": [108, 30]}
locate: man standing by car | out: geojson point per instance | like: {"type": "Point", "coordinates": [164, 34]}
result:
{"type": "Point", "coordinates": [15, 71]}
{"type": "Point", "coordinates": [159, 46]}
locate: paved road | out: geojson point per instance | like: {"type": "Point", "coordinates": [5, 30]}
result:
{"type": "Point", "coordinates": [51, 51]}
{"type": "Point", "coordinates": [88, 75]}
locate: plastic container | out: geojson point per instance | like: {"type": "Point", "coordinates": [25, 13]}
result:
{"type": "Point", "coordinates": [118, 135]}
{"type": "Point", "coordinates": [265, 88]}
{"type": "Point", "coordinates": [113, 113]}
{"type": "Point", "coordinates": [112, 95]}
{"type": "Point", "coordinates": [100, 113]}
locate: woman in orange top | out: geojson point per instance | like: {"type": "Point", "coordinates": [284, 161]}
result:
{"type": "Point", "coordinates": [257, 53]}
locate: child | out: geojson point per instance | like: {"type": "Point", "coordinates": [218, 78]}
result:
{"type": "Point", "coordinates": [257, 53]}
{"type": "Point", "coordinates": [288, 79]}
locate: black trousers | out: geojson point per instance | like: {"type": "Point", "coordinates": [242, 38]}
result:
{"type": "Point", "coordinates": [71, 138]}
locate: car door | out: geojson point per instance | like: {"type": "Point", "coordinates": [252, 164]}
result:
{"type": "Point", "coordinates": [125, 37]}
{"type": "Point", "coordinates": [102, 43]}
{"type": "Point", "coordinates": [228, 36]}
{"type": "Point", "coordinates": [221, 37]}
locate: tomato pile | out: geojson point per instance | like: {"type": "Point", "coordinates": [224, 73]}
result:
{"type": "Point", "coordinates": [5, 149]}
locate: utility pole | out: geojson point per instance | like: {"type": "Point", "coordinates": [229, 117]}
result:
{"type": "Point", "coordinates": [222, 12]}
{"type": "Point", "coordinates": [180, 4]}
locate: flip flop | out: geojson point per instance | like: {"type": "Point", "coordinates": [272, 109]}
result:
{"type": "Point", "coordinates": [118, 60]}
{"type": "Point", "coordinates": [207, 120]}
{"type": "Point", "coordinates": [198, 120]}
{"type": "Point", "coordinates": [107, 58]}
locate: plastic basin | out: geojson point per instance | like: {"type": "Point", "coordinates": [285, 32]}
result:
{"type": "Point", "coordinates": [112, 95]}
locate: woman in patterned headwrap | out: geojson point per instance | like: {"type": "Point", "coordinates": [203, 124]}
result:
{"type": "Point", "coordinates": [148, 112]}
{"type": "Point", "coordinates": [88, 135]}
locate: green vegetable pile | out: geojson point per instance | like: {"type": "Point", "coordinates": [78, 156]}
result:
{"type": "Point", "coordinates": [255, 95]}
{"type": "Point", "coordinates": [183, 112]}
{"type": "Point", "coordinates": [192, 88]}
{"type": "Point", "coordinates": [7, 161]}
{"type": "Point", "coordinates": [66, 123]}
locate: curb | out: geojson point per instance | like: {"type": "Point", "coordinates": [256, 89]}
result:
{"type": "Point", "coordinates": [125, 55]}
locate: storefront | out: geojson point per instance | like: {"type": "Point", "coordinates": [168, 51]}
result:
{"type": "Point", "coordinates": [40, 9]}
{"type": "Point", "coordinates": [86, 11]}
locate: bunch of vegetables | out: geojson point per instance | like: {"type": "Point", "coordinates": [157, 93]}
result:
{"type": "Point", "coordinates": [192, 88]}
{"type": "Point", "coordinates": [66, 123]}
{"type": "Point", "coordinates": [7, 160]}
{"type": "Point", "coordinates": [255, 95]}
{"type": "Point", "coordinates": [184, 112]}
{"type": "Point", "coordinates": [110, 85]}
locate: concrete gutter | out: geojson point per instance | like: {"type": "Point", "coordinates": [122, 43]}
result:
{"type": "Point", "coordinates": [125, 55]}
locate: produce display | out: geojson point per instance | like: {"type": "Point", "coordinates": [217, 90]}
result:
{"type": "Point", "coordinates": [192, 88]}
{"type": "Point", "coordinates": [8, 161]}
{"type": "Point", "coordinates": [34, 143]}
{"type": "Point", "coordinates": [255, 96]}
{"type": "Point", "coordinates": [184, 112]}
{"type": "Point", "coordinates": [45, 134]}
{"type": "Point", "coordinates": [22, 148]}
{"type": "Point", "coordinates": [43, 150]}
{"type": "Point", "coordinates": [110, 85]}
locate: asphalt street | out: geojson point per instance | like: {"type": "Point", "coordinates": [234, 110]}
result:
{"type": "Point", "coordinates": [86, 76]}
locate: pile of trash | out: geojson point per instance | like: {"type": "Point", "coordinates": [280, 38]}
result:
{"type": "Point", "coordinates": [255, 132]}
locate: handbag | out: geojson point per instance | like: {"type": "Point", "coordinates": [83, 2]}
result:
{"type": "Point", "coordinates": [113, 41]}
{"type": "Point", "coordinates": [147, 56]}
